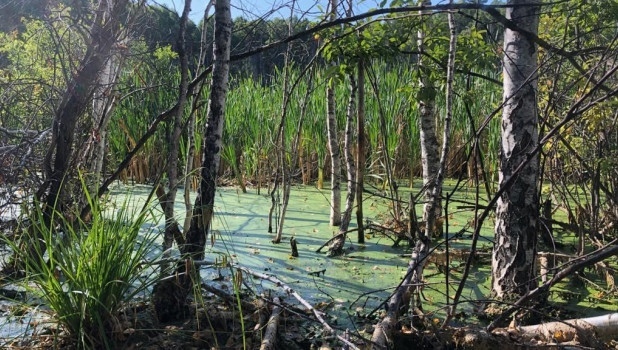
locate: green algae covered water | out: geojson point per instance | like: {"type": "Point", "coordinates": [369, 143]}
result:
{"type": "Point", "coordinates": [351, 288]}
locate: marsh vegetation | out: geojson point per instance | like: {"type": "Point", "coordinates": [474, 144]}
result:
{"type": "Point", "coordinates": [439, 174]}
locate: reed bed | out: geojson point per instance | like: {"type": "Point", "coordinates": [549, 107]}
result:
{"type": "Point", "coordinates": [253, 116]}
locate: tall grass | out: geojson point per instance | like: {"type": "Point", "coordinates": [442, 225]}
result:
{"type": "Point", "coordinates": [253, 116]}
{"type": "Point", "coordinates": [87, 275]}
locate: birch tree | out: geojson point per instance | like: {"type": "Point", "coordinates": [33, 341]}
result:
{"type": "Point", "coordinates": [336, 246]}
{"type": "Point", "coordinates": [414, 276]}
{"type": "Point", "coordinates": [430, 157]}
{"type": "Point", "coordinates": [105, 100]}
{"type": "Point", "coordinates": [517, 209]}
{"type": "Point", "coordinates": [333, 144]}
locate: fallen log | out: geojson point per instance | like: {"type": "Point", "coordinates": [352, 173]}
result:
{"type": "Point", "coordinates": [581, 331]}
{"type": "Point", "coordinates": [270, 335]}
{"type": "Point", "coordinates": [587, 333]}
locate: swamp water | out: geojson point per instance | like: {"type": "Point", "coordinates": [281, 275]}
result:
{"type": "Point", "coordinates": [344, 287]}
{"type": "Point", "coordinates": [350, 286]}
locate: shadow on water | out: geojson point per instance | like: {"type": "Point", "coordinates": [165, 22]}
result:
{"type": "Point", "coordinates": [240, 227]}
{"type": "Point", "coordinates": [355, 283]}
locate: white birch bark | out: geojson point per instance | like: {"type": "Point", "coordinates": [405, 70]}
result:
{"type": "Point", "coordinates": [384, 329]}
{"type": "Point", "coordinates": [336, 246]}
{"type": "Point", "coordinates": [335, 160]}
{"type": "Point", "coordinates": [333, 145]}
{"type": "Point", "coordinates": [102, 107]}
{"type": "Point", "coordinates": [517, 209]}
{"type": "Point", "coordinates": [586, 330]}
{"type": "Point", "coordinates": [429, 142]}
{"type": "Point", "coordinates": [434, 202]}
{"type": "Point", "coordinates": [430, 162]}
{"type": "Point", "coordinates": [346, 217]}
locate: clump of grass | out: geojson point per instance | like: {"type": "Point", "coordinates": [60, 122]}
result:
{"type": "Point", "coordinates": [85, 273]}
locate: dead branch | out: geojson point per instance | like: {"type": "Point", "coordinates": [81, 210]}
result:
{"type": "Point", "coordinates": [270, 336]}
{"type": "Point", "coordinates": [290, 291]}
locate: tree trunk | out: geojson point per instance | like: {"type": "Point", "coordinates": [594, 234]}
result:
{"type": "Point", "coordinates": [446, 137]}
{"type": "Point", "coordinates": [335, 161]}
{"type": "Point", "coordinates": [105, 100]}
{"type": "Point", "coordinates": [169, 295]}
{"type": "Point", "coordinates": [434, 205]}
{"type": "Point", "coordinates": [429, 142]}
{"type": "Point", "coordinates": [333, 144]}
{"type": "Point", "coordinates": [191, 161]}
{"type": "Point", "coordinates": [174, 140]}
{"type": "Point", "coordinates": [360, 151]}
{"type": "Point", "coordinates": [336, 246]}
{"type": "Point", "coordinates": [517, 209]}
{"type": "Point", "coordinates": [286, 176]}
{"type": "Point", "coordinates": [78, 95]}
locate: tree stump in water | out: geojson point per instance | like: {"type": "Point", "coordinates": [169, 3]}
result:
{"type": "Point", "coordinates": [294, 247]}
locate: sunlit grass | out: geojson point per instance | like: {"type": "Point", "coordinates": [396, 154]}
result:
{"type": "Point", "coordinates": [86, 271]}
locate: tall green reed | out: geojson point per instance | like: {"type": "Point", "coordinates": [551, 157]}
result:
{"type": "Point", "coordinates": [253, 116]}
{"type": "Point", "coordinates": [88, 270]}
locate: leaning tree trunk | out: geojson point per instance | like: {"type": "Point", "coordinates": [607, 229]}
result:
{"type": "Point", "coordinates": [78, 96]}
{"type": "Point", "coordinates": [170, 295]}
{"type": "Point", "coordinates": [517, 209]}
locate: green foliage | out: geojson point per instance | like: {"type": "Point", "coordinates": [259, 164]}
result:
{"type": "Point", "coordinates": [37, 63]}
{"type": "Point", "coordinates": [88, 275]}
{"type": "Point", "coordinates": [165, 54]}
